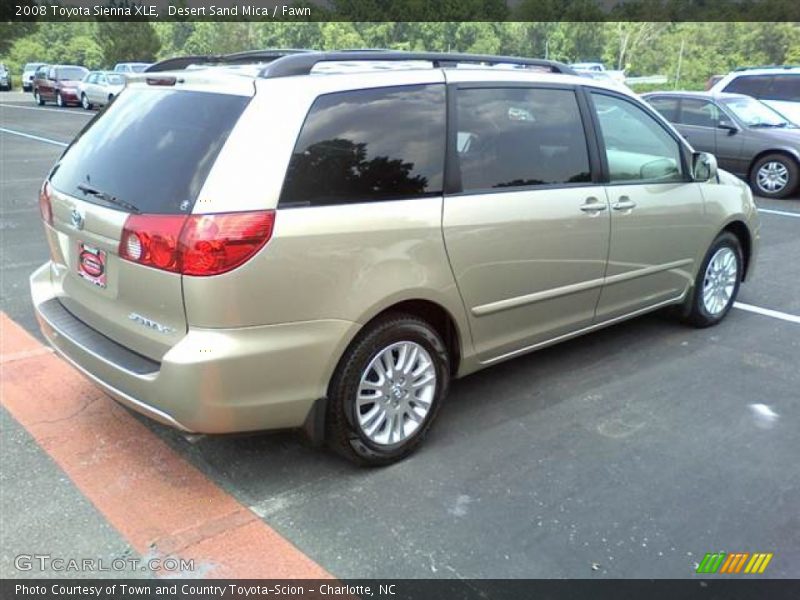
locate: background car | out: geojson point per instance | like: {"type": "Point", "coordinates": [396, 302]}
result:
{"type": "Point", "coordinates": [100, 87]}
{"type": "Point", "coordinates": [712, 81]}
{"type": "Point", "coordinates": [604, 76]}
{"type": "Point", "coordinates": [28, 71]}
{"type": "Point", "coordinates": [779, 87]}
{"type": "Point", "coordinates": [748, 137]}
{"type": "Point", "coordinates": [5, 78]}
{"type": "Point", "coordinates": [130, 67]}
{"type": "Point", "coordinates": [58, 83]}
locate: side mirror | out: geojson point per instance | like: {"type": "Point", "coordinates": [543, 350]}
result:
{"type": "Point", "coordinates": [730, 126]}
{"type": "Point", "coordinates": [704, 166]}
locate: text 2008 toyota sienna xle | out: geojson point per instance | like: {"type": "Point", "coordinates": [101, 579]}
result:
{"type": "Point", "coordinates": [282, 246]}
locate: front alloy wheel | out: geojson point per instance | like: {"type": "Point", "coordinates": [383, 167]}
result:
{"type": "Point", "coordinates": [717, 282]}
{"type": "Point", "coordinates": [60, 100]}
{"type": "Point", "coordinates": [85, 102]}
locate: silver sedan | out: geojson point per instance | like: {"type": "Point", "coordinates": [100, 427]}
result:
{"type": "Point", "coordinates": [100, 87]}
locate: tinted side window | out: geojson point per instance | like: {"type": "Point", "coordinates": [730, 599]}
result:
{"type": "Point", "coordinates": [514, 137]}
{"type": "Point", "coordinates": [785, 88]}
{"type": "Point", "coordinates": [668, 107]}
{"type": "Point", "coordinates": [750, 85]}
{"type": "Point", "coordinates": [637, 147]}
{"type": "Point", "coordinates": [698, 113]}
{"type": "Point", "coordinates": [367, 145]}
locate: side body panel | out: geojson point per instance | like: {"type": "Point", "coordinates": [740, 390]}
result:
{"type": "Point", "coordinates": [653, 245]}
{"type": "Point", "coordinates": [529, 264]}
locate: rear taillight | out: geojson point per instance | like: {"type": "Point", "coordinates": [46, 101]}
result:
{"type": "Point", "coordinates": [195, 244]}
{"type": "Point", "coordinates": [45, 204]}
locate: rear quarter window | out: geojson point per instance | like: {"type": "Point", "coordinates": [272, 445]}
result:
{"type": "Point", "coordinates": [785, 88]}
{"type": "Point", "coordinates": [369, 145]}
{"type": "Point", "coordinates": [667, 107]}
{"type": "Point", "coordinates": [150, 148]}
{"type": "Point", "coordinates": [750, 85]}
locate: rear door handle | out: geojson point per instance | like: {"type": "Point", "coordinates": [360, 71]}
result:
{"type": "Point", "coordinates": [593, 206]}
{"type": "Point", "coordinates": [624, 203]}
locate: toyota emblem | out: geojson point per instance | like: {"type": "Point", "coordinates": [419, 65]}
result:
{"type": "Point", "coordinates": [77, 219]}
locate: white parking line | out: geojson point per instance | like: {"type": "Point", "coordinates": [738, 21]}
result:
{"type": "Point", "coordinates": [33, 137]}
{"type": "Point", "coordinates": [783, 213]}
{"type": "Point", "coordinates": [767, 312]}
{"type": "Point", "coordinates": [58, 110]}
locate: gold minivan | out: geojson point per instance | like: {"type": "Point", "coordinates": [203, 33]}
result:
{"type": "Point", "coordinates": [324, 240]}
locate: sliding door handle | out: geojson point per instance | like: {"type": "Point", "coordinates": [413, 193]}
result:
{"type": "Point", "coordinates": [624, 203]}
{"type": "Point", "coordinates": [593, 206]}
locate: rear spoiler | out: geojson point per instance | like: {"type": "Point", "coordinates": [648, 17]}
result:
{"type": "Point", "coordinates": [250, 57]}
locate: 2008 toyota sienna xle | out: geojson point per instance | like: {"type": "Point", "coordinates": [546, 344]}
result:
{"type": "Point", "coordinates": [324, 240]}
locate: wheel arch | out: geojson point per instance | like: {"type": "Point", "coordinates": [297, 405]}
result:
{"type": "Point", "coordinates": [434, 313]}
{"type": "Point", "coordinates": [437, 316]}
{"type": "Point", "coordinates": [784, 151]}
{"type": "Point", "coordinates": [742, 233]}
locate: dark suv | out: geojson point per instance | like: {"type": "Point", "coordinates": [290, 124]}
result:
{"type": "Point", "coordinates": [58, 83]}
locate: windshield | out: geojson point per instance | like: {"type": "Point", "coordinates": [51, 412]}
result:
{"type": "Point", "coordinates": [71, 73]}
{"type": "Point", "coordinates": [754, 113]}
{"type": "Point", "coordinates": [32, 66]}
{"type": "Point", "coordinates": [150, 148]}
{"type": "Point", "coordinates": [138, 68]}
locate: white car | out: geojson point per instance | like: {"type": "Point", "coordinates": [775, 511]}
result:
{"type": "Point", "coordinates": [100, 87]}
{"type": "Point", "coordinates": [778, 87]}
{"type": "Point", "coordinates": [131, 67]}
{"type": "Point", "coordinates": [28, 72]}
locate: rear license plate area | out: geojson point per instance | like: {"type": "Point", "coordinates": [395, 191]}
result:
{"type": "Point", "coordinates": [92, 264]}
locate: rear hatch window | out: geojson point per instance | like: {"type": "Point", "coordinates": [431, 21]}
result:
{"type": "Point", "coordinates": [151, 149]}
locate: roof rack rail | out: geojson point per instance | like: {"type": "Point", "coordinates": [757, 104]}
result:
{"type": "Point", "coordinates": [180, 63]}
{"type": "Point", "coordinates": [776, 67]}
{"type": "Point", "coordinates": [302, 63]}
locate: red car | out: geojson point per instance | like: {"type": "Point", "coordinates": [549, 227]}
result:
{"type": "Point", "coordinates": [58, 83]}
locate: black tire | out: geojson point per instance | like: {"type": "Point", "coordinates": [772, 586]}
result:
{"type": "Point", "coordinates": [60, 101]}
{"type": "Point", "coordinates": [695, 311]}
{"type": "Point", "coordinates": [343, 434]}
{"type": "Point", "coordinates": [792, 170]}
{"type": "Point", "coordinates": [85, 102]}
{"type": "Point", "coordinates": [38, 98]}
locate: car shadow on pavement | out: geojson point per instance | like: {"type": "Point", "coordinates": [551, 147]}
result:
{"type": "Point", "coordinates": [511, 390]}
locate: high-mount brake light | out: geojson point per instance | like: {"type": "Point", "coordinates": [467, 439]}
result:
{"type": "Point", "coordinates": [198, 245]}
{"type": "Point", "coordinates": [166, 80]}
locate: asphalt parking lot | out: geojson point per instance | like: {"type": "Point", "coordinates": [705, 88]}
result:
{"type": "Point", "coordinates": [626, 453]}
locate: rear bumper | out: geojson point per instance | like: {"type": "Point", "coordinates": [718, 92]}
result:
{"type": "Point", "coordinates": [213, 380]}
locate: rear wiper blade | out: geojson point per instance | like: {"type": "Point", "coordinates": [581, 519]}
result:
{"type": "Point", "coordinates": [770, 125]}
{"type": "Point", "coordinates": [87, 189]}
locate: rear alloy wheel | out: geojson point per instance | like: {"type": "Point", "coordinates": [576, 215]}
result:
{"type": "Point", "coordinates": [774, 176]}
{"type": "Point", "coordinates": [387, 390]}
{"type": "Point", "coordinates": [85, 102]}
{"type": "Point", "coordinates": [60, 100]}
{"type": "Point", "coordinates": [38, 98]}
{"type": "Point", "coordinates": [717, 282]}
